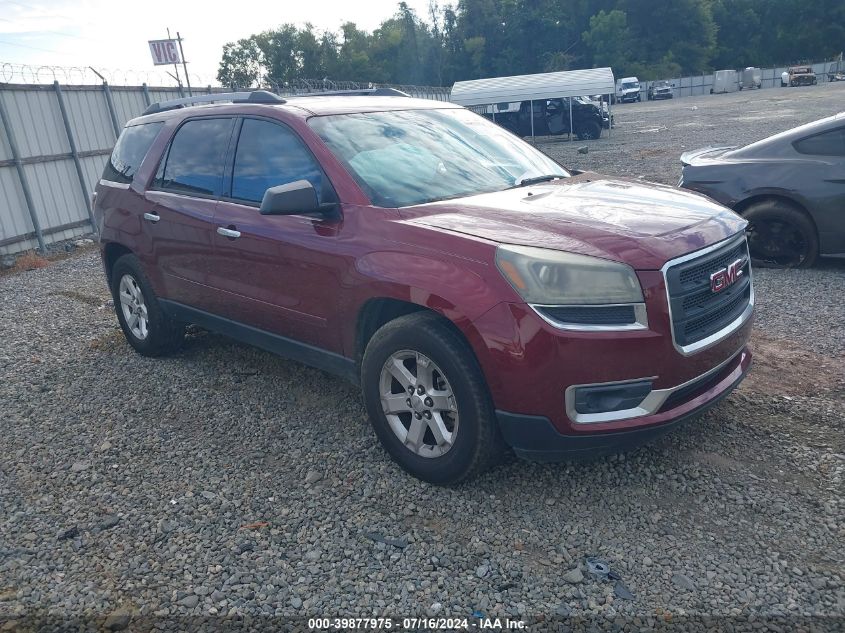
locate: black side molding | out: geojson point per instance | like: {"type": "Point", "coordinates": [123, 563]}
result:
{"type": "Point", "coordinates": [283, 346]}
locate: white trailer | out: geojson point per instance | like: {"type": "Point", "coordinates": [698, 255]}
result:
{"type": "Point", "coordinates": [725, 81]}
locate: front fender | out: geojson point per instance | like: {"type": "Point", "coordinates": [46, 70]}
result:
{"type": "Point", "coordinates": [461, 290]}
{"type": "Point", "coordinates": [457, 288]}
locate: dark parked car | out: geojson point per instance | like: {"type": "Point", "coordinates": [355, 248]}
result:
{"type": "Point", "coordinates": [478, 293]}
{"type": "Point", "coordinates": [551, 117]}
{"type": "Point", "coordinates": [790, 187]}
{"type": "Point", "coordinates": [660, 90]}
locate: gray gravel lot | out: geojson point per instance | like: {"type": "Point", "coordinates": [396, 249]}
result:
{"type": "Point", "coordinates": [225, 482]}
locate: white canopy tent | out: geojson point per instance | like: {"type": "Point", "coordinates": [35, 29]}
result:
{"type": "Point", "coordinates": [538, 87]}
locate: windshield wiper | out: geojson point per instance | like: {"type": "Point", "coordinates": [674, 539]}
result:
{"type": "Point", "coordinates": [535, 179]}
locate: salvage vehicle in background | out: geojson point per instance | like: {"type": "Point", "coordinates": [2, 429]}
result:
{"type": "Point", "coordinates": [479, 293]}
{"type": "Point", "coordinates": [660, 90]}
{"type": "Point", "coordinates": [790, 187]}
{"type": "Point", "coordinates": [551, 117]}
{"type": "Point", "coordinates": [801, 76]}
{"type": "Point", "coordinates": [628, 90]}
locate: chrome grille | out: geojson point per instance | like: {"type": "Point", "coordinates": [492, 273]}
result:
{"type": "Point", "coordinates": [697, 312]}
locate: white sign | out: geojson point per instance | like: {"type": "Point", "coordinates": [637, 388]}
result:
{"type": "Point", "coordinates": [165, 52]}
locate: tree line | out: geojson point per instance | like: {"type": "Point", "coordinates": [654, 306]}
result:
{"type": "Point", "coordinates": [488, 38]}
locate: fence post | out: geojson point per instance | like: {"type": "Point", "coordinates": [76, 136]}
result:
{"type": "Point", "coordinates": [75, 154]}
{"type": "Point", "coordinates": [110, 104]}
{"type": "Point", "coordinates": [146, 95]}
{"type": "Point", "coordinates": [30, 206]}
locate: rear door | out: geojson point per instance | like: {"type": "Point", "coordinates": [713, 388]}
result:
{"type": "Point", "coordinates": [182, 198]}
{"type": "Point", "coordinates": [277, 273]}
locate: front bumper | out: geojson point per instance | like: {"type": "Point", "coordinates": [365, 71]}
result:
{"type": "Point", "coordinates": [536, 438]}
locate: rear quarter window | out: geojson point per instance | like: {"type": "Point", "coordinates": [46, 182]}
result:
{"type": "Point", "coordinates": [129, 151]}
{"type": "Point", "coordinates": [830, 143]}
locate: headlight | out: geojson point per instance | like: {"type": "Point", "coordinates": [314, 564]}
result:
{"type": "Point", "coordinates": [547, 277]}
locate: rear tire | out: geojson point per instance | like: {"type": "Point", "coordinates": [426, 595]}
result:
{"type": "Point", "coordinates": [456, 436]}
{"type": "Point", "coordinates": [588, 131]}
{"type": "Point", "coordinates": [780, 235]}
{"type": "Point", "coordinates": [145, 325]}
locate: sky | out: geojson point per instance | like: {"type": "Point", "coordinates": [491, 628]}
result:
{"type": "Point", "coordinates": [111, 34]}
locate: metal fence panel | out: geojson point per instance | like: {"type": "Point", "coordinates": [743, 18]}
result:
{"type": "Point", "coordinates": [5, 150]}
{"type": "Point", "coordinates": [128, 103]}
{"type": "Point", "coordinates": [92, 169]}
{"type": "Point", "coordinates": [14, 223]}
{"type": "Point", "coordinates": [37, 122]}
{"type": "Point", "coordinates": [89, 118]}
{"type": "Point", "coordinates": [56, 193]}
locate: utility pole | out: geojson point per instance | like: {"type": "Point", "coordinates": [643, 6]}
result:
{"type": "Point", "coordinates": [184, 64]}
{"type": "Point", "coordinates": [175, 66]}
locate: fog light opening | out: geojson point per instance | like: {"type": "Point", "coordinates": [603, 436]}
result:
{"type": "Point", "coordinates": [607, 398]}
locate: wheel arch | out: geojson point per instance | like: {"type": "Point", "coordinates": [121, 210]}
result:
{"type": "Point", "coordinates": [378, 311]}
{"type": "Point", "coordinates": [743, 206]}
{"type": "Point", "coordinates": [112, 251]}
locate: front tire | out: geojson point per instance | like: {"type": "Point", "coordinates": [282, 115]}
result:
{"type": "Point", "coordinates": [780, 235]}
{"type": "Point", "coordinates": [145, 325]}
{"type": "Point", "coordinates": [427, 400]}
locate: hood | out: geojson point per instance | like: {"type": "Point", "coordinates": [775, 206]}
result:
{"type": "Point", "coordinates": [705, 153]}
{"type": "Point", "coordinates": [641, 224]}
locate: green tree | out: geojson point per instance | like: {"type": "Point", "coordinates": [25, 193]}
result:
{"type": "Point", "coordinates": [488, 38]}
{"type": "Point", "coordinates": [609, 41]}
{"type": "Point", "coordinates": [680, 33]}
{"type": "Point", "coordinates": [242, 64]}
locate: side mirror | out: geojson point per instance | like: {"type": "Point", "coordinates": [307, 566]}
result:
{"type": "Point", "coordinates": [292, 198]}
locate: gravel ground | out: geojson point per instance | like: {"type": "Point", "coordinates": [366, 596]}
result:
{"type": "Point", "coordinates": [225, 484]}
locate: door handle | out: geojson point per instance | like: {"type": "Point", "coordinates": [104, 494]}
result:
{"type": "Point", "coordinates": [228, 232]}
{"type": "Point", "coordinates": [152, 217]}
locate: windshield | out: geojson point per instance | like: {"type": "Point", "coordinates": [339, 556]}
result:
{"type": "Point", "coordinates": [661, 84]}
{"type": "Point", "coordinates": [630, 84]}
{"type": "Point", "coordinates": [406, 157]}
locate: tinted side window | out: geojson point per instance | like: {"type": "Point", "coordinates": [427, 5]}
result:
{"type": "Point", "coordinates": [831, 143]}
{"type": "Point", "coordinates": [195, 160]}
{"type": "Point", "coordinates": [129, 151]}
{"type": "Point", "coordinates": [269, 154]}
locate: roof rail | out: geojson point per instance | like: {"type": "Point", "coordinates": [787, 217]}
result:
{"type": "Point", "coordinates": [363, 92]}
{"type": "Point", "coordinates": [254, 96]}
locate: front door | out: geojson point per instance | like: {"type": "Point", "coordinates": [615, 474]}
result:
{"type": "Point", "coordinates": [278, 273]}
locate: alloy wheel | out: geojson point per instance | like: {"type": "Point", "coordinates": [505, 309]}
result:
{"type": "Point", "coordinates": [134, 307]}
{"type": "Point", "coordinates": [419, 403]}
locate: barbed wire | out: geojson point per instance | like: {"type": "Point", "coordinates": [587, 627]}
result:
{"type": "Point", "coordinates": [305, 86]}
{"type": "Point", "coordinates": [85, 75]}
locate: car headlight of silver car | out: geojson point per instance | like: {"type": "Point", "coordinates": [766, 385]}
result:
{"type": "Point", "coordinates": [574, 291]}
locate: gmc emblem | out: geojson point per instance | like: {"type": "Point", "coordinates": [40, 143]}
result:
{"type": "Point", "coordinates": [725, 277]}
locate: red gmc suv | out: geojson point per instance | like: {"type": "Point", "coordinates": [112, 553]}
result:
{"type": "Point", "coordinates": [478, 292]}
